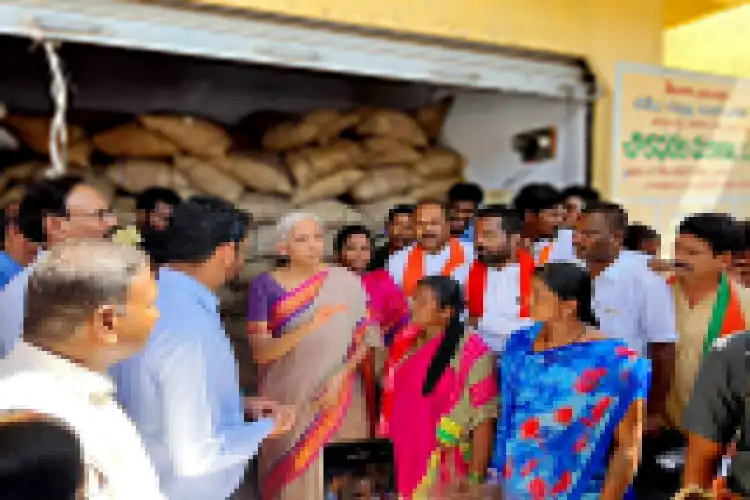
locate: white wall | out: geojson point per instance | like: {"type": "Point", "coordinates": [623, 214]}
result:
{"type": "Point", "coordinates": [481, 124]}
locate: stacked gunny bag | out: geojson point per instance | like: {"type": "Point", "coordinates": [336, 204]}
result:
{"type": "Point", "coordinates": [345, 166]}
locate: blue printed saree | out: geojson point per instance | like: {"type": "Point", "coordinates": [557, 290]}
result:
{"type": "Point", "coordinates": [559, 412]}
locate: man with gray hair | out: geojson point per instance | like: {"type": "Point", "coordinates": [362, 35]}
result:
{"type": "Point", "coordinates": [89, 305]}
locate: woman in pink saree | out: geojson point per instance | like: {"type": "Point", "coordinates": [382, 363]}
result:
{"type": "Point", "coordinates": [441, 397]}
{"type": "Point", "coordinates": [309, 333]}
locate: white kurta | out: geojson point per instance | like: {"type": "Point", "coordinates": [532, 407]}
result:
{"type": "Point", "coordinates": [433, 263]}
{"type": "Point", "coordinates": [502, 305]}
{"type": "Point", "coordinates": [117, 466]}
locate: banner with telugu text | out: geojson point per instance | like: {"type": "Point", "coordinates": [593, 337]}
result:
{"type": "Point", "coordinates": [681, 144]}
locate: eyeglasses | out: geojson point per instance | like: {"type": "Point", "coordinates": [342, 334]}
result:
{"type": "Point", "coordinates": [101, 214]}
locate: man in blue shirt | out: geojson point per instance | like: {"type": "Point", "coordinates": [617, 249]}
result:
{"type": "Point", "coordinates": [183, 390]}
{"type": "Point", "coordinates": [464, 200]}
{"type": "Point", "coordinates": [52, 212]}
{"type": "Point", "coordinates": [18, 251]}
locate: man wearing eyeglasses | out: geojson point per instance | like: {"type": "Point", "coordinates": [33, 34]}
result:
{"type": "Point", "coordinates": [52, 212]}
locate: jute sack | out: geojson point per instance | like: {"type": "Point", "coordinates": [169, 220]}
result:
{"type": "Point", "coordinates": [310, 164]}
{"type": "Point", "coordinates": [133, 141]}
{"type": "Point", "coordinates": [265, 240]}
{"type": "Point", "coordinates": [384, 182]}
{"type": "Point", "coordinates": [388, 151]}
{"type": "Point", "coordinates": [395, 124]}
{"type": "Point", "coordinates": [34, 131]}
{"type": "Point", "coordinates": [13, 195]}
{"type": "Point", "coordinates": [261, 172]}
{"type": "Point", "coordinates": [79, 153]}
{"type": "Point", "coordinates": [207, 178]}
{"type": "Point", "coordinates": [332, 129]}
{"type": "Point", "coordinates": [439, 162]}
{"type": "Point", "coordinates": [263, 207]}
{"type": "Point", "coordinates": [296, 134]}
{"type": "Point", "coordinates": [434, 190]}
{"type": "Point", "coordinates": [333, 213]}
{"type": "Point", "coordinates": [136, 175]}
{"type": "Point", "coordinates": [193, 135]}
{"type": "Point", "coordinates": [376, 213]}
{"type": "Point", "coordinates": [22, 172]}
{"type": "Point", "coordinates": [432, 117]}
{"type": "Point", "coordinates": [328, 187]}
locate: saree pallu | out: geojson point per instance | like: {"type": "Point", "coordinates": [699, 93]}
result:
{"type": "Point", "coordinates": [559, 412]}
{"type": "Point", "coordinates": [291, 465]}
{"type": "Point", "coordinates": [387, 303]}
{"type": "Point", "coordinates": [431, 434]}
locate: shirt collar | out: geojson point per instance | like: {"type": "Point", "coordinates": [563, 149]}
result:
{"type": "Point", "coordinates": [612, 271]}
{"type": "Point", "coordinates": [172, 280]}
{"type": "Point", "coordinates": [96, 386]}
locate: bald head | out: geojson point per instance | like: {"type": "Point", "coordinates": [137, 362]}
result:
{"type": "Point", "coordinates": [73, 281]}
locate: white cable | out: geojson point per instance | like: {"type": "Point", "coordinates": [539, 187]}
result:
{"type": "Point", "coordinates": [58, 133]}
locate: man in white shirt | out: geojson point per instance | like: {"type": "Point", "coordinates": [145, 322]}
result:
{"type": "Point", "coordinates": [541, 208]}
{"type": "Point", "coordinates": [183, 390]}
{"type": "Point", "coordinates": [89, 305]}
{"type": "Point", "coordinates": [52, 212]}
{"type": "Point", "coordinates": [631, 301]}
{"type": "Point", "coordinates": [434, 251]}
{"type": "Point", "coordinates": [493, 280]}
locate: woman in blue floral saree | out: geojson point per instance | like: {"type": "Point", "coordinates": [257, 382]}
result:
{"type": "Point", "coordinates": [572, 400]}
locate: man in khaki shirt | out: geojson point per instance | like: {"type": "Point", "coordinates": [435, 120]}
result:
{"type": "Point", "coordinates": [708, 304]}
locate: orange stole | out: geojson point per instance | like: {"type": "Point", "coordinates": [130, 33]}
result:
{"type": "Point", "coordinates": [544, 254]}
{"type": "Point", "coordinates": [734, 319]}
{"type": "Point", "coordinates": [527, 266]}
{"type": "Point", "coordinates": [476, 285]}
{"type": "Point", "coordinates": [415, 271]}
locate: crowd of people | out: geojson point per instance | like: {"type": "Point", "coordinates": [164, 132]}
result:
{"type": "Point", "coordinates": [538, 350]}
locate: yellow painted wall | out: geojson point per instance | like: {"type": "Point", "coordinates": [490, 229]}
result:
{"type": "Point", "coordinates": [604, 31]}
{"type": "Point", "coordinates": [716, 44]}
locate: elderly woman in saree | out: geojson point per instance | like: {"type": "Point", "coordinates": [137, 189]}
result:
{"type": "Point", "coordinates": [571, 399]}
{"type": "Point", "coordinates": [440, 399]}
{"type": "Point", "coordinates": [309, 333]}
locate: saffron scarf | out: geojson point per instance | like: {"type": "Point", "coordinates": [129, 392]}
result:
{"type": "Point", "coordinates": [726, 316]}
{"type": "Point", "coordinates": [415, 266]}
{"type": "Point", "coordinates": [545, 254]}
{"type": "Point", "coordinates": [527, 266]}
{"type": "Point", "coordinates": [476, 286]}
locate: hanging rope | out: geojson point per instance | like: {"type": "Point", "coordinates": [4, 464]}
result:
{"type": "Point", "coordinates": [58, 133]}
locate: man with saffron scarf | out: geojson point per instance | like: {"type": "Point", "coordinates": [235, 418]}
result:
{"type": "Point", "coordinates": [495, 287]}
{"type": "Point", "coordinates": [708, 304]}
{"type": "Point", "coordinates": [435, 253]}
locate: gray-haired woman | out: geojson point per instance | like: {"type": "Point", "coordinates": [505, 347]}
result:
{"type": "Point", "coordinates": [309, 334]}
